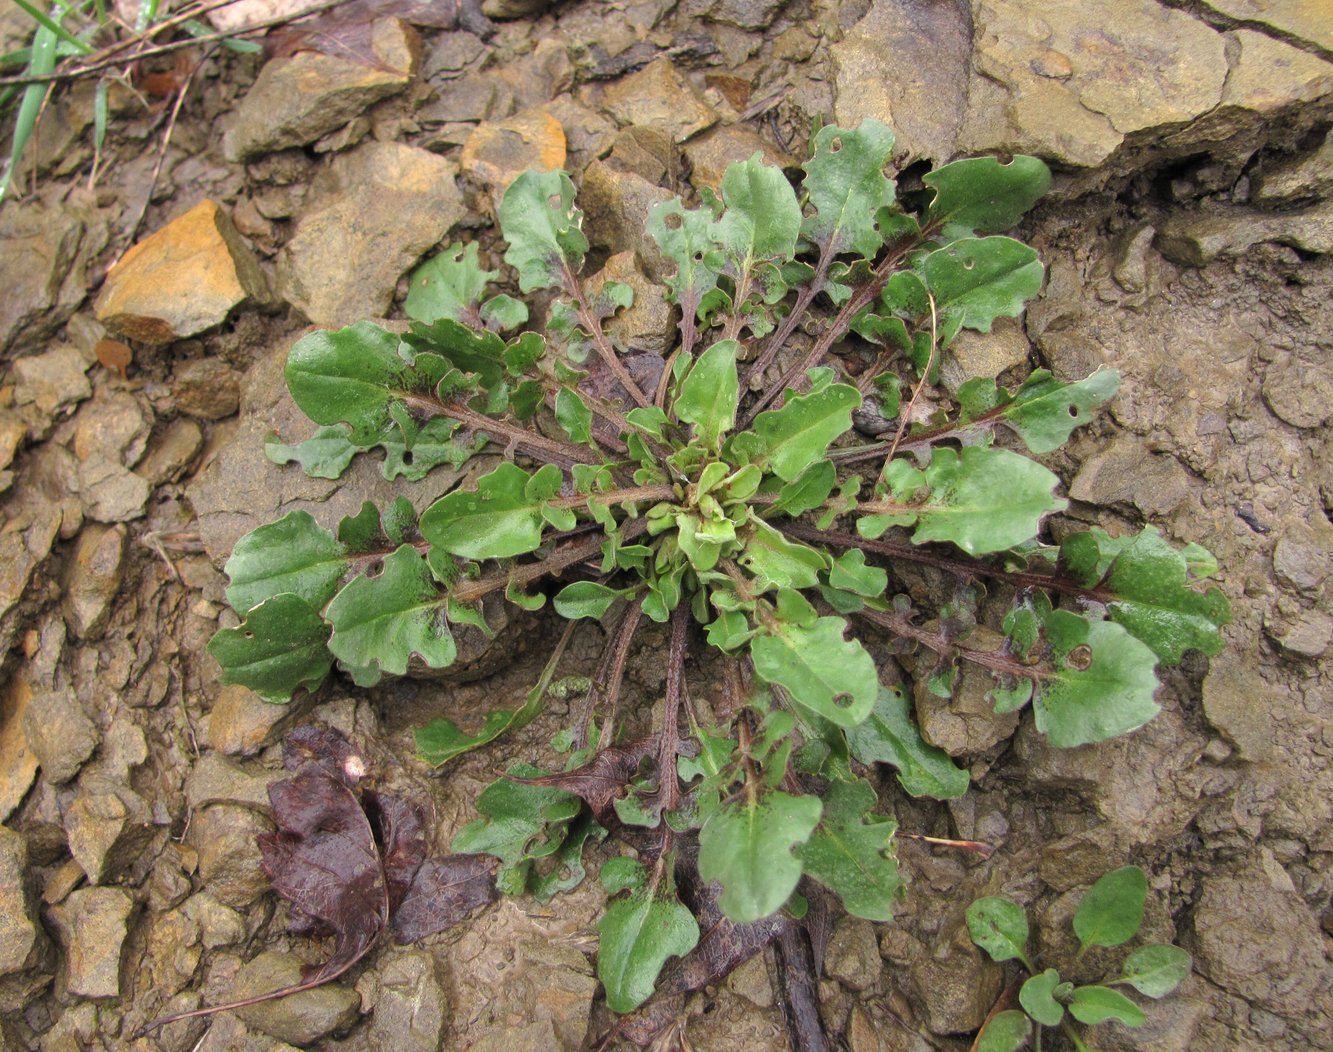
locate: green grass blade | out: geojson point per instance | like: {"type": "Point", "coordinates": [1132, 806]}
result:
{"type": "Point", "coordinates": [54, 27]}
{"type": "Point", "coordinates": [147, 14]}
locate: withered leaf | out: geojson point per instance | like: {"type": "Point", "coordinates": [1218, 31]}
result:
{"type": "Point", "coordinates": [603, 778]}
{"type": "Point", "coordinates": [444, 892]}
{"type": "Point", "coordinates": [400, 832]}
{"type": "Point", "coordinates": [323, 859]}
{"type": "Point", "coordinates": [327, 749]}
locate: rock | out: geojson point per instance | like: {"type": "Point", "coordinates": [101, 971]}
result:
{"type": "Point", "coordinates": [241, 723]}
{"type": "Point", "coordinates": [852, 956]}
{"type": "Point", "coordinates": [52, 380]}
{"type": "Point", "coordinates": [648, 324]}
{"type": "Point", "coordinates": [1309, 176]}
{"type": "Point", "coordinates": [111, 492]}
{"type": "Point", "coordinates": [406, 1002]}
{"type": "Point", "coordinates": [207, 388]}
{"type": "Point", "coordinates": [647, 152]}
{"type": "Point", "coordinates": [973, 354]}
{"type": "Point", "coordinates": [615, 207]}
{"type": "Point", "coordinates": [1195, 241]}
{"type": "Point", "coordinates": [218, 924]}
{"type": "Point", "coordinates": [497, 153]}
{"type": "Point", "coordinates": [109, 827]}
{"type": "Point", "coordinates": [1306, 636]}
{"type": "Point", "coordinates": [1254, 936]}
{"type": "Point", "coordinates": [1074, 81]}
{"type": "Point", "coordinates": [18, 763]}
{"type": "Point", "coordinates": [43, 251]}
{"type": "Point", "coordinates": [659, 96]}
{"type": "Point", "coordinates": [451, 53]}
{"type": "Point", "coordinates": [214, 779]}
{"type": "Point", "coordinates": [60, 734]}
{"type": "Point", "coordinates": [296, 100]}
{"type": "Point", "coordinates": [92, 579]}
{"type": "Point", "coordinates": [955, 981]}
{"type": "Point", "coordinates": [1238, 703]}
{"type": "Point", "coordinates": [743, 14]}
{"type": "Point", "coordinates": [224, 836]}
{"type": "Point", "coordinates": [181, 280]}
{"type": "Point", "coordinates": [112, 424]}
{"type": "Point", "coordinates": [92, 926]}
{"type": "Point", "coordinates": [18, 934]}
{"type": "Point", "coordinates": [1125, 472]}
{"type": "Point", "coordinates": [712, 153]}
{"type": "Point", "coordinates": [965, 724]}
{"type": "Point", "coordinates": [1268, 79]}
{"type": "Point", "coordinates": [750, 981]}
{"type": "Point", "coordinates": [242, 13]}
{"type": "Point", "coordinates": [377, 210]}
{"type": "Point", "coordinates": [908, 65]}
{"type": "Point", "coordinates": [468, 99]}
{"type": "Point", "coordinates": [588, 134]}
{"type": "Point", "coordinates": [1299, 391]}
{"type": "Point", "coordinates": [228, 1034]}
{"type": "Point", "coordinates": [1303, 555]}
{"type": "Point", "coordinates": [1303, 19]}
{"type": "Point", "coordinates": [300, 1019]}
{"type": "Point", "coordinates": [171, 454]}
{"type": "Point", "coordinates": [506, 9]}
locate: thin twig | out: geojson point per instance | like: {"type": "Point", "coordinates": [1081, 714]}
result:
{"type": "Point", "coordinates": [906, 414]}
{"type": "Point", "coordinates": [624, 638]}
{"type": "Point", "coordinates": [166, 142]}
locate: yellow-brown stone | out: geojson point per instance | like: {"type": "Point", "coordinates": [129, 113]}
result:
{"type": "Point", "coordinates": [185, 278]}
{"type": "Point", "coordinates": [498, 152]}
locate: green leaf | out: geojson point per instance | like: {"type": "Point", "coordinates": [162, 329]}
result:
{"type": "Point", "coordinates": [519, 823]}
{"type": "Point", "coordinates": [710, 392]}
{"type": "Point", "coordinates": [683, 236]}
{"type": "Point", "coordinates": [441, 740]}
{"type": "Point", "coordinates": [831, 676]}
{"type": "Point", "coordinates": [846, 852]}
{"type": "Point", "coordinates": [977, 280]}
{"type": "Point", "coordinates": [504, 313]}
{"type": "Point", "coordinates": [433, 445]}
{"type": "Point", "coordinates": [448, 285]}
{"type": "Point", "coordinates": [890, 736]}
{"type": "Point", "coordinates": [847, 187]}
{"type": "Point", "coordinates": [380, 622]}
{"type": "Point", "coordinates": [1044, 412]}
{"type": "Point", "coordinates": [565, 870]}
{"type": "Point", "coordinates": [572, 413]}
{"type": "Point", "coordinates": [1101, 1004]}
{"type": "Point", "coordinates": [587, 599]}
{"type": "Point", "coordinates": [295, 554]}
{"type": "Point", "coordinates": [777, 562]}
{"type": "Point", "coordinates": [999, 927]}
{"type": "Point", "coordinates": [1112, 910]}
{"type": "Point", "coordinates": [1148, 579]}
{"type": "Point", "coordinates": [981, 499]}
{"type": "Point", "coordinates": [1156, 970]}
{"type": "Point", "coordinates": [638, 934]}
{"type": "Point", "coordinates": [808, 491]}
{"type": "Point", "coordinates": [982, 195]}
{"type": "Point", "coordinates": [280, 649]}
{"type": "Point", "coordinates": [501, 518]}
{"type": "Point", "coordinates": [324, 455]}
{"type": "Point", "coordinates": [762, 218]}
{"type": "Point", "coordinates": [1101, 684]}
{"type": "Point", "coordinates": [748, 847]}
{"type": "Point", "coordinates": [1006, 1032]}
{"type": "Point", "coordinates": [543, 228]}
{"type": "Point", "coordinates": [1035, 996]}
{"type": "Point", "coordinates": [851, 574]}
{"type": "Point", "coordinates": [467, 350]}
{"type": "Point", "coordinates": [799, 433]}
{"type": "Point", "coordinates": [352, 376]}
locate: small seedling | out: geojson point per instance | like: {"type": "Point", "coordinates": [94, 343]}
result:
{"type": "Point", "coordinates": [1108, 915]}
{"type": "Point", "coordinates": [719, 490]}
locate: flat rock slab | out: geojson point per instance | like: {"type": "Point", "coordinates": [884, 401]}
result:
{"type": "Point", "coordinates": [297, 100]}
{"type": "Point", "coordinates": [498, 152]}
{"type": "Point", "coordinates": [43, 256]}
{"type": "Point", "coordinates": [376, 211]}
{"type": "Point", "coordinates": [658, 96]}
{"type": "Point", "coordinates": [185, 278]}
{"type": "Point", "coordinates": [92, 926]}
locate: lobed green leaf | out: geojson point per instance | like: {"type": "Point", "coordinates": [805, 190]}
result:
{"type": "Point", "coordinates": [983, 195]}
{"type": "Point", "coordinates": [501, 518]}
{"type": "Point", "coordinates": [799, 434]}
{"type": "Point", "coordinates": [294, 554]}
{"type": "Point", "coordinates": [890, 735]}
{"type": "Point", "coordinates": [831, 676]}
{"type": "Point", "coordinates": [543, 228]}
{"type": "Point", "coordinates": [278, 650]}
{"type": "Point", "coordinates": [847, 852]}
{"type": "Point", "coordinates": [976, 280]}
{"type": "Point", "coordinates": [637, 935]}
{"type": "Point", "coordinates": [847, 187]}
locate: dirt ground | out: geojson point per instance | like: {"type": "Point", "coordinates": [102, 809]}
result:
{"type": "Point", "coordinates": [1188, 244]}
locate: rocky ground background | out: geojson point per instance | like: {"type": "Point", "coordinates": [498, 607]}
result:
{"type": "Point", "coordinates": [1187, 239]}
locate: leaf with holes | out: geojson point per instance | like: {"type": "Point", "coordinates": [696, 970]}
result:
{"type": "Point", "coordinates": [280, 649]}
{"type": "Point", "coordinates": [824, 672]}
{"type": "Point", "coordinates": [543, 228]}
{"type": "Point", "coordinates": [999, 927]}
{"type": "Point", "coordinates": [847, 186]}
{"type": "Point", "coordinates": [978, 279]}
{"type": "Point", "coordinates": [983, 195]}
